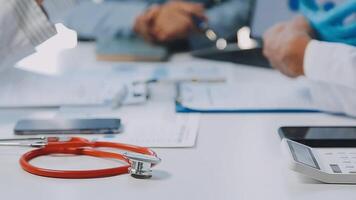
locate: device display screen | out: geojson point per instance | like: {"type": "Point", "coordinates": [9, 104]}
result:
{"type": "Point", "coordinates": [303, 155]}
{"type": "Point", "coordinates": [74, 126]}
{"type": "Point", "coordinates": [321, 136]}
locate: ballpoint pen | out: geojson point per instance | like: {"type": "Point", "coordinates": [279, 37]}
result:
{"type": "Point", "coordinates": [203, 27]}
{"type": "Point", "coordinates": [144, 84]}
{"type": "Point", "coordinates": [209, 33]}
{"type": "Point", "coordinates": [180, 80]}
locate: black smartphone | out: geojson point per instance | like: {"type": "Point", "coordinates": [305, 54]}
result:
{"type": "Point", "coordinates": [68, 126]}
{"type": "Point", "coordinates": [321, 136]}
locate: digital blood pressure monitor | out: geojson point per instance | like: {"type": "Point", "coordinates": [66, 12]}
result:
{"type": "Point", "coordinates": [329, 165]}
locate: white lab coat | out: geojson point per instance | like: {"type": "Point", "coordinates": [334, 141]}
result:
{"type": "Point", "coordinates": [23, 26]}
{"type": "Point", "coordinates": [331, 69]}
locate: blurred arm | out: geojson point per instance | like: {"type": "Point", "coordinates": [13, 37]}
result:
{"type": "Point", "coordinates": [225, 19]}
{"type": "Point", "coordinates": [333, 98]}
{"type": "Point", "coordinates": [333, 63]}
{"type": "Point", "coordinates": [92, 20]}
{"type": "Point", "coordinates": [331, 67]}
{"type": "Point", "coordinates": [23, 26]}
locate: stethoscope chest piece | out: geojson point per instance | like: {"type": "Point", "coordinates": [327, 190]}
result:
{"type": "Point", "coordinates": [141, 164]}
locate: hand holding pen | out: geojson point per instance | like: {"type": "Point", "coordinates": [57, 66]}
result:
{"type": "Point", "coordinates": [176, 20]}
{"type": "Point", "coordinates": [170, 21]}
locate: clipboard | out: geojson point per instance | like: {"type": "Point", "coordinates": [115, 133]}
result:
{"type": "Point", "coordinates": [181, 107]}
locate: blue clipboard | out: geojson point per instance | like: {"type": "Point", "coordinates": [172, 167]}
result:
{"type": "Point", "coordinates": [182, 109]}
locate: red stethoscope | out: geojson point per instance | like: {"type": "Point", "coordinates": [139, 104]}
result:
{"type": "Point", "coordinates": [139, 160]}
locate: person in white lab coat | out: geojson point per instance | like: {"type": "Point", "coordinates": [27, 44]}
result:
{"type": "Point", "coordinates": [330, 67]}
{"type": "Point", "coordinates": [23, 26]}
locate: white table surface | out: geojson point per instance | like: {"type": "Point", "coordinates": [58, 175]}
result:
{"type": "Point", "coordinates": [237, 156]}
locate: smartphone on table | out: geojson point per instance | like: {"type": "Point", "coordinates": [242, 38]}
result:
{"type": "Point", "coordinates": [68, 126]}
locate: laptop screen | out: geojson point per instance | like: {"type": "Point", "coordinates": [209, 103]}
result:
{"type": "Point", "coordinates": [269, 12]}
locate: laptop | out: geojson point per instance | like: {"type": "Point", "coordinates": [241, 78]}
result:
{"type": "Point", "coordinates": [263, 16]}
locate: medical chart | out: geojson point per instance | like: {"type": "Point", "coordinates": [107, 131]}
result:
{"type": "Point", "coordinates": [26, 89]}
{"type": "Point", "coordinates": [154, 124]}
{"type": "Point", "coordinates": [253, 90]}
{"type": "Point", "coordinates": [244, 97]}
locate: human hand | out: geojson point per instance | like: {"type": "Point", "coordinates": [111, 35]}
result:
{"type": "Point", "coordinates": [39, 2]}
{"type": "Point", "coordinates": [175, 20]}
{"type": "Point", "coordinates": [144, 23]}
{"type": "Point", "coordinates": [285, 44]}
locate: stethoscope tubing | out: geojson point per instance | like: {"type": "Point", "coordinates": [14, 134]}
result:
{"type": "Point", "coordinates": [25, 160]}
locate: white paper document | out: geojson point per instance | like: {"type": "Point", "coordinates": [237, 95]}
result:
{"type": "Point", "coordinates": [154, 124]}
{"type": "Point", "coordinates": [26, 89]}
{"type": "Point", "coordinates": [195, 70]}
{"type": "Point", "coordinates": [246, 96]}
{"type": "Point", "coordinates": [94, 86]}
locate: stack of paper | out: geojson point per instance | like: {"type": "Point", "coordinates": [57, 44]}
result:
{"type": "Point", "coordinates": [154, 124]}
{"type": "Point", "coordinates": [285, 96]}
{"type": "Point", "coordinates": [20, 88]}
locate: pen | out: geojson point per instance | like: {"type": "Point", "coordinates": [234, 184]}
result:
{"type": "Point", "coordinates": [119, 98]}
{"type": "Point", "coordinates": [203, 26]}
{"type": "Point", "coordinates": [198, 80]}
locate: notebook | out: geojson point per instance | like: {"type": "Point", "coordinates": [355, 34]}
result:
{"type": "Point", "coordinates": [129, 49]}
